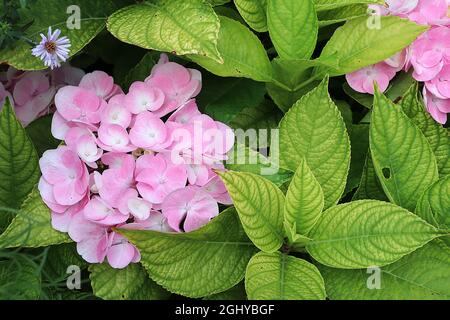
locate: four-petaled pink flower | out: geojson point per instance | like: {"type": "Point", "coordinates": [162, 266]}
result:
{"type": "Point", "coordinates": [363, 80]}
{"type": "Point", "coordinates": [67, 175]}
{"type": "Point", "coordinates": [189, 208]}
{"type": "Point", "coordinates": [157, 176]}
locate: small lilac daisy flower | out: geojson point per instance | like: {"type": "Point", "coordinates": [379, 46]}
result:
{"type": "Point", "coordinates": [52, 50]}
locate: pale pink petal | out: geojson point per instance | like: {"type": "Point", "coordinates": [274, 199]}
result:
{"type": "Point", "coordinates": [148, 131]}
{"type": "Point", "coordinates": [99, 82]}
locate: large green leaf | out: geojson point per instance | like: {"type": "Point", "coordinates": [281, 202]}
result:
{"type": "Point", "coordinates": [304, 200]}
{"type": "Point", "coordinates": [437, 136]}
{"type": "Point", "coordinates": [32, 226]}
{"type": "Point", "coordinates": [19, 167]}
{"type": "Point", "coordinates": [244, 159]}
{"type": "Point", "coordinates": [177, 26]}
{"type": "Point", "coordinates": [357, 46]}
{"type": "Point", "coordinates": [367, 233]}
{"type": "Point", "coordinates": [277, 276]}
{"type": "Point", "coordinates": [402, 157]}
{"type": "Point", "coordinates": [224, 98]}
{"type": "Point", "coordinates": [332, 4]}
{"type": "Point", "coordinates": [293, 27]}
{"type": "Point", "coordinates": [45, 13]}
{"type": "Point", "coordinates": [242, 52]}
{"type": "Point", "coordinates": [314, 129]}
{"type": "Point", "coordinates": [434, 205]}
{"type": "Point", "coordinates": [130, 283]}
{"type": "Point", "coordinates": [254, 13]}
{"type": "Point", "coordinates": [260, 206]}
{"type": "Point", "coordinates": [196, 264]}
{"type": "Point", "coordinates": [422, 275]}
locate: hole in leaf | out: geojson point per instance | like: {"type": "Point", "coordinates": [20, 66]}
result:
{"type": "Point", "coordinates": [386, 173]}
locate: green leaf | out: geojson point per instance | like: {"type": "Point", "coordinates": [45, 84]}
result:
{"type": "Point", "coordinates": [224, 98]}
{"type": "Point", "coordinates": [304, 200]}
{"type": "Point", "coordinates": [292, 79]}
{"type": "Point", "coordinates": [342, 14]}
{"type": "Point", "coordinates": [367, 233]}
{"type": "Point", "coordinates": [19, 279]}
{"type": "Point", "coordinates": [254, 13]}
{"type": "Point", "coordinates": [19, 167]}
{"type": "Point", "coordinates": [32, 226]}
{"type": "Point", "coordinates": [422, 275]}
{"type": "Point", "coordinates": [130, 283]}
{"type": "Point", "coordinates": [346, 113]}
{"type": "Point", "coordinates": [235, 293]}
{"type": "Point", "coordinates": [369, 186]}
{"type": "Point", "coordinates": [230, 13]}
{"type": "Point", "coordinates": [296, 242]}
{"type": "Point", "coordinates": [359, 137]}
{"type": "Point", "coordinates": [244, 159]}
{"type": "Point", "coordinates": [196, 264]}
{"type": "Point", "coordinates": [434, 205]}
{"type": "Point", "coordinates": [293, 27]}
{"type": "Point", "coordinates": [260, 206]}
{"type": "Point", "coordinates": [277, 276]}
{"type": "Point", "coordinates": [218, 2]}
{"type": "Point", "coordinates": [357, 46]}
{"type": "Point", "coordinates": [332, 4]}
{"type": "Point", "coordinates": [142, 69]}
{"type": "Point", "coordinates": [266, 116]}
{"type": "Point", "coordinates": [314, 129]}
{"type": "Point", "coordinates": [45, 13]}
{"type": "Point", "coordinates": [437, 136]}
{"type": "Point", "coordinates": [40, 134]}
{"type": "Point", "coordinates": [60, 257]}
{"type": "Point", "coordinates": [242, 52]}
{"type": "Point", "coordinates": [177, 26]}
{"type": "Point", "coordinates": [402, 157]}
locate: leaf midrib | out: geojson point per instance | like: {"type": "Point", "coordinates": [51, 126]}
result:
{"type": "Point", "coordinates": [318, 242]}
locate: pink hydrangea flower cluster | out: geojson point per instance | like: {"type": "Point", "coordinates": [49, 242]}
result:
{"type": "Point", "coordinates": [144, 160]}
{"type": "Point", "coordinates": [32, 92]}
{"type": "Point", "coordinates": [429, 55]}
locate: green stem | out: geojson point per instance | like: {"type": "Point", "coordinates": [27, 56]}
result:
{"type": "Point", "coordinates": [281, 85]}
{"type": "Point", "coordinates": [29, 41]}
{"type": "Point", "coordinates": [309, 81]}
